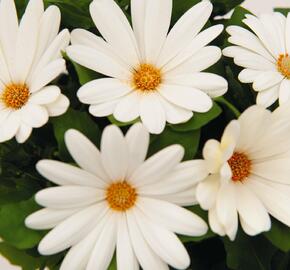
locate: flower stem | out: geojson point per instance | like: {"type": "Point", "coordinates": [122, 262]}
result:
{"type": "Point", "coordinates": [229, 105]}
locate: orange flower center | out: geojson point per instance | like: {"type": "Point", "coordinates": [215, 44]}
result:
{"type": "Point", "coordinates": [15, 96]}
{"type": "Point", "coordinates": [283, 65]}
{"type": "Point", "coordinates": [147, 77]}
{"type": "Point", "coordinates": [121, 196]}
{"type": "Point", "coordinates": [241, 166]}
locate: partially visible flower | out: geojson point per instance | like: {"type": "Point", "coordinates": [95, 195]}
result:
{"type": "Point", "coordinates": [118, 200]}
{"type": "Point", "coordinates": [265, 55]}
{"type": "Point", "coordinates": [154, 75]}
{"type": "Point", "coordinates": [30, 58]}
{"type": "Point", "coordinates": [249, 173]}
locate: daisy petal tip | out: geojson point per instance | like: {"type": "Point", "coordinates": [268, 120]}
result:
{"type": "Point", "coordinates": [71, 135]}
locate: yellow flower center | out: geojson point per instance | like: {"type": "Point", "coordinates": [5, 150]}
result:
{"type": "Point", "coordinates": [121, 196]}
{"type": "Point", "coordinates": [241, 166]}
{"type": "Point", "coordinates": [147, 77]}
{"type": "Point", "coordinates": [283, 65]}
{"type": "Point", "coordinates": [15, 96]}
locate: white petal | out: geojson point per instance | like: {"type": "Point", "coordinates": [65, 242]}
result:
{"type": "Point", "coordinates": [186, 97]}
{"type": "Point", "coordinates": [65, 174]}
{"type": "Point", "coordinates": [175, 114]}
{"type": "Point", "coordinates": [114, 153]}
{"type": "Point", "coordinates": [257, 27]}
{"type": "Point", "coordinates": [152, 113]}
{"type": "Point", "coordinates": [145, 255]}
{"type": "Point", "coordinates": [46, 95]}
{"type": "Point", "coordinates": [274, 199]}
{"type": "Point", "coordinates": [47, 74]}
{"type": "Point", "coordinates": [287, 33]}
{"type": "Point", "coordinates": [47, 218]}
{"type": "Point", "coordinates": [79, 254]}
{"type": "Point", "coordinates": [137, 139]}
{"type": "Point", "coordinates": [119, 34]}
{"type": "Point", "coordinates": [157, 165]}
{"type": "Point", "coordinates": [182, 32]}
{"type": "Point", "coordinates": [183, 177]}
{"type": "Point", "coordinates": [98, 61]}
{"type": "Point", "coordinates": [213, 155]}
{"type": "Point", "coordinates": [214, 222]}
{"type": "Point", "coordinates": [72, 230]}
{"type": "Point", "coordinates": [102, 90]}
{"type": "Point", "coordinates": [4, 70]}
{"type": "Point", "coordinates": [252, 211]}
{"type": "Point", "coordinates": [248, 75]}
{"type": "Point", "coordinates": [23, 133]}
{"type": "Point", "coordinates": [8, 20]}
{"type": "Point", "coordinates": [104, 109]}
{"type": "Point", "coordinates": [90, 40]}
{"type": "Point", "coordinates": [58, 107]}
{"type": "Point", "coordinates": [276, 170]}
{"type": "Point", "coordinates": [85, 153]}
{"type": "Point", "coordinates": [48, 29]}
{"type": "Point", "coordinates": [128, 108]}
{"type": "Point", "coordinates": [207, 190]}
{"type": "Point", "coordinates": [126, 259]}
{"type": "Point", "coordinates": [27, 38]}
{"type": "Point", "coordinates": [267, 80]}
{"type": "Point", "coordinates": [52, 53]}
{"type": "Point", "coordinates": [34, 115]}
{"type": "Point", "coordinates": [284, 92]}
{"type": "Point", "coordinates": [246, 39]}
{"type": "Point", "coordinates": [212, 84]}
{"type": "Point", "coordinates": [9, 126]}
{"type": "Point", "coordinates": [190, 51]}
{"type": "Point", "coordinates": [267, 97]}
{"type": "Point", "coordinates": [182, 198]}
{"type": "Point", "coordinates": [69, 196]}
{"type": "Point", "coordinates": [230, 138]}
{"type": "Point", "coordinates": [163, 242]}
{"type": "Point", "coordinates": [201, 60]}
{"type": "Point", "coordinates": [156, 26]}
{"type": "Point", "coordinates": [172, 217]}
{"type": "Point", "coordinates": [226, 209]}
{"type": "Point", "coordinates": [105, 246]}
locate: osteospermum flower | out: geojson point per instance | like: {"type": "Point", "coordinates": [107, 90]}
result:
{"type": "Point", "coordinates": [249, 173]}
{"type": "Point", "coordinates": [30, 58]}
{"type": "Point", "coordinates": [116, 199]}
{"type": "Point", "coordinates": [264, 53]}
{"type": "Point", "coordinates": [154, 76]}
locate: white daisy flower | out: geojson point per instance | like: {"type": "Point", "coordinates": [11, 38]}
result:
{"type": "Point", "coordinates": [30, 58]}
{"type": "Point", "coordinates": [116, 199]}
{"type": "Point", "coordinates": [265, 55]}
{"type": "Point", "coordinates": [153, 74]}
{"type": "Point", "coordinates": [249, 173]}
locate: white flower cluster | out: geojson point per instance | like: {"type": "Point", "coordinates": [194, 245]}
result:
{"type": "Point", "coordinates": [116, 200]}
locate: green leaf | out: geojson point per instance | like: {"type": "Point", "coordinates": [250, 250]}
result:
{"type": "Point", "coordinates": [28, 259]}
{"type": "Point", "coordinates": [238, 16]}
{"type": "Point", "coordinates": [12, 227]}
{"type": "Point", "coordinates": [180, 7]}
{"type": "Point", "coordinates": [113, 264]}
{"type": "Point", "coordinates": [279, 235]}
{"type": "Point", "coordinates": [284, 11]}
{"type": "Point", "coordinates": [84, 74]}
{"type": "Point", "coordinates": [113, 120]}
{"type": "Point", "coordinates": [189, 140]}
{"type": "Point", "coordinates": [203, 214]}
{"type": "Point", "coordinates": [74, 120]}
{"type": "Point", "coordinates": [249, 253]}
{"type": "Point", "coordinates": [75, 14]}
{"type": "Point", "coordinates": [199, 119]}
{"type": "Point", "coordinates": [222, 7]}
